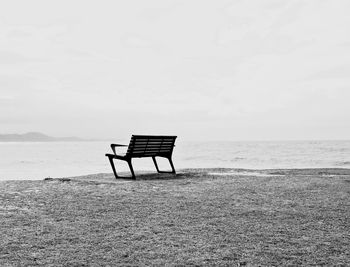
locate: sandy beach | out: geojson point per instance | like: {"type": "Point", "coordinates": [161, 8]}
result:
{"type": "Point", "coordinates": [200, 217]}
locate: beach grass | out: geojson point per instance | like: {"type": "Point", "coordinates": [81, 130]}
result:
{"type": "Point", "coordinates": [200, 217]}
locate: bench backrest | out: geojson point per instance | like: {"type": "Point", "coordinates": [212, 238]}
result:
{"type": "Point", "coordinates": [151, 145]}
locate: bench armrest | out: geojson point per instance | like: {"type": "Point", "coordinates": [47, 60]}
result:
{"type": "Point", "coordinates": [113, 146]}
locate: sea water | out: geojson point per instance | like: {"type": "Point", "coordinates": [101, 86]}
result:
{"type": "Point", "coordinates": [38, 160]}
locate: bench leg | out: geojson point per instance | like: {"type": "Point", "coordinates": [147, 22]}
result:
{"type": "Point", "coordinates": [115, 172]}
{"type": "Point", "coordinates": [113, 167]}
{"type": "Point", "coordinates": [131, 169]}
{"type": "Point", "coordinates": [155, 163]}
{"type": "Point", "coordinates": [171, 164]}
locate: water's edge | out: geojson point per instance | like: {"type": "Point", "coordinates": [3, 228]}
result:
{"type": "Point", "coordinates": [36, 161]}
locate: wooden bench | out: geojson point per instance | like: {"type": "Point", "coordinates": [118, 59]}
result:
{"type": "Point", "coordinates": [142, 146]}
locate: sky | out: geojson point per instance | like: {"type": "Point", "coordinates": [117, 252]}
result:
{"type": "Point", "coordinates": [207, 70]}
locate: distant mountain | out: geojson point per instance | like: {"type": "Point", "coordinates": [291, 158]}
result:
{"type": "Point", "coordinates": [35, 137]}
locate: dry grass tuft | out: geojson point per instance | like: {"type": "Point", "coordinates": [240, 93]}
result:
{"type": "Point", "coordinates": [283, 217]}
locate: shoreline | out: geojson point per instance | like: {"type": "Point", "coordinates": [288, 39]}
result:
{"type": "Point", "coordinates": [228, 171]}
{"type": "Point", "coordinates": [200, 217]}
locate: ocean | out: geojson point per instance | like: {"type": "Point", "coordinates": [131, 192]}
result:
{"type": "Point", "coordinates": [38, 160]}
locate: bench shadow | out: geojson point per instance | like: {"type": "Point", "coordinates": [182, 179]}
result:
{"type": "Point", "coordinates": [160, 176]}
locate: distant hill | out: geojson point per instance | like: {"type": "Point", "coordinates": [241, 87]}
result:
{"type": "Point", "coordinates": [35, 137]}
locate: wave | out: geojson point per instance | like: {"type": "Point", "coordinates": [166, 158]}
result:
{"type": "Point", "coordinates": [29, 162]}
{"type": "Point", "coordinates": [343, 163]}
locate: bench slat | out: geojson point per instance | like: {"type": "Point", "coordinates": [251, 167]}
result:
{"type": "Point", "coordinates": [141, 155]}
{"type": "Point", "coordinates": [152, 143]}
{"type": "Point", "coordinates": [154, 136]}
{"type": "Point", "coordinates": [150, 146]}
{"type": "Point", "coordinates": [150, 150]}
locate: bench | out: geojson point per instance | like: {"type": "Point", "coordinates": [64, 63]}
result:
{"type": "Point", "coordinates": [142, 146]}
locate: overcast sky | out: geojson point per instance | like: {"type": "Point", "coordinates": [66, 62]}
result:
{"type": "Point", "coordinates": [216, 70]}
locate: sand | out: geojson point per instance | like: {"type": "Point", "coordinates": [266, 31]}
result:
{"type": "Point", "coordinates": [200, 217]}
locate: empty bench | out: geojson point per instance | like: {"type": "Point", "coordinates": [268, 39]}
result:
{"type": "Point", "coordinates": [142, 146]}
